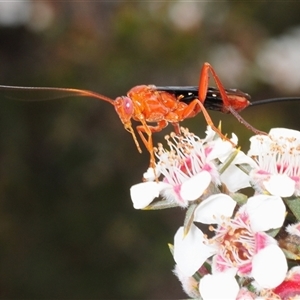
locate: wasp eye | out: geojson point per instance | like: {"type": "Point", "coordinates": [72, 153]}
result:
{"type": "Point", "coordinates": [127, 105]}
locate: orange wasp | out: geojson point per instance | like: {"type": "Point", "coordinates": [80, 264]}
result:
{"type": "Point", "coordinates": [162, 105]}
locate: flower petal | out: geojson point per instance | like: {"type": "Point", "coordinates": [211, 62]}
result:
{"type": "Point", "coordinates": [219, 148]}
{"type": "Point", "coordinates": [189, 251]}
{"type": "Point", "coordinates": [219, 286]}
{"type": "Point", "coordinates": [235, 179]}
{"type": "Point", "coordinates": [258, 207]}
{"type": "Point", "coordinates": [210, 135]}
{"type": "Point", "coordinates": [280, 185]}
{"type": "Point", "coordinates": [269, 267]}
{"type": "Point", "coordinates": [150, 174]}
{"type": "Point", "coordinates": [194, 187]}
{"type": "Point", "coordinates": [285, 132]}
{"type": "Point", "coordinates": [142, 194]}
{"type": "Point", "coordinates": [189, 283]}
{"type": "Point", "coordinates": [259, 144]}
{"type": "Point", "coordinates": [210, 210]}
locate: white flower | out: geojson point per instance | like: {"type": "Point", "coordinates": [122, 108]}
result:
{"type": "Point", "coordinates": [190, 251]}
{"type": "Point", "coordinates": [219, 286]}
{"type": "Point", "coordinates": [233, 177]}
{"type": "Point", "coordinates": [238, 242]}
{"type": "Point", "coordinates": [269, 267]}
{"type": "Point", "coordinates": [142, 194]}
{"type": "Point", "coordinates": [278, 162]}
{"type": "Point", "coordinates": [293, 229]}
{"type": "Point", "coordinates": [245, 294]}
{"type": "Point", "coordinates": [188, 167]}
{"type": "Point", "coordinates": [189, 284]}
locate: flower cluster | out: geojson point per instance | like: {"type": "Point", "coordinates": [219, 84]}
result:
{"type": "Point", "coordinates": [231, 245]}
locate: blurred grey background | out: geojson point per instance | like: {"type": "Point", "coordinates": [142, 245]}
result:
{"type": "Point", "coordinates": [67, 225]}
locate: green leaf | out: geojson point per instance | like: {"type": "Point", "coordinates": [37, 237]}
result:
{"type": "Point", "coordinates": [228, 161]}
{"type": "Point", "coordinates": [245, 168]}
{"type": "Point", "coordinates": [189, 218]}
{"type": "Point", "coordinates": [273, 232]}
{"type": "Point", "coordinates": [171, 247]}
{"type": "Point", "coordinates": [290, 255]}
{"type": "Point", "coordinates": [239, 198]}
{"type": "Point", "coordinates": [163, 204]}
{"type": "Point", "coordinates": [294, 206]}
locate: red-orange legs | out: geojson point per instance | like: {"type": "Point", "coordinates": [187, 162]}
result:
{"type": "Point", "coordinates": [203, 86]}
{"type": "Point", "coordinates": [145, 128]}
{"type": "Point", "coordinates": [190, 109]}
{"type": "Point", "coordinates": [244, 122]}
{"type": "Point", "coordinates": [176, 128]}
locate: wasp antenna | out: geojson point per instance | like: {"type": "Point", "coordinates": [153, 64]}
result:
{"type": "Point", "coordinates": [88, 93]}
{"type": "Point", "coordinates": [273, 100]}
{"type": "Point", "coordinates": [58, 93]}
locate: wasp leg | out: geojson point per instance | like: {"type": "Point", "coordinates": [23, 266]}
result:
{"type": "Point", "coordinates": [203, 86]}
{"type": "Point", "coordinates": [148, 130]}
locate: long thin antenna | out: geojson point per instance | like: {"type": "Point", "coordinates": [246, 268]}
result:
{"type": "Point", "coordinates": [65, 92]}
{"type": "Point", "coordinates": [273, 100]}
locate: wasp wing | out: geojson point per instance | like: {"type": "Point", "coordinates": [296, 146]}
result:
{"type": "Point", "coordinates": [213, 100]}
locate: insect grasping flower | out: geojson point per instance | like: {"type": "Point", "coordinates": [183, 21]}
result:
{"type": "Point", "coordinates": [239, 243]}
{"type": "Point", "coordinates": [278, 162]}
{"type": "Point", "coordinates": [188, 167]}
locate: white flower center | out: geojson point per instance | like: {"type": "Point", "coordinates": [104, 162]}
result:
{"type": "Point", "coordinates": [235, 240]}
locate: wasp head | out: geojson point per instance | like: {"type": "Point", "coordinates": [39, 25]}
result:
{"type": "Point", "coordinates": [124, 108]}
